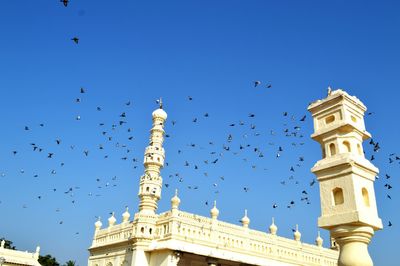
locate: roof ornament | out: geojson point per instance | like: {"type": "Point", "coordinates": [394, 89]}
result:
{"type": "Point", "coordinates": [329, 90]}
{"type": "Point", "coordinates": [159, 101]}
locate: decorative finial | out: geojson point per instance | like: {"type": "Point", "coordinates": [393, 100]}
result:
{"type": "Point", "coordinates": [126, 215]}
{"type": "Point", "coordinates": [245, 220]}
{"type": "Point", "coordinates": [214, 211]}
{"type": "Point", "coordinates": [319, 241]}
{"type": "Point", "coordinates": [112, 220]}
{"type": "Point", "coordinates": [297, 234]}
{"type": "Point", "coordinates": [98, 224]}
{"type": "Point", "coordinates": [175, 201]}
{"type": "Point", "coordinates": [160, 103]}
{"type": "Point", "coordinates": [329, 90]}
{"type": "Point", "coordinates": [273, 228]}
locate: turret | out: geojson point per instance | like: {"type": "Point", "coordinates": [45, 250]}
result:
{"type": "Point", "coordinates": [346, 178]}
{"type": "Point", "coordinates": [151, 181]}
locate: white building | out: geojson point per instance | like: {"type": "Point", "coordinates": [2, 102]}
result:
{"type": "Point", "coordinates": [10, 257]}
{"type": "Point", "coordinates": [180, 238]}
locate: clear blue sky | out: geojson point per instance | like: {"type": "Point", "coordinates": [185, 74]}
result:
{"type": "Point", "coordinates": [213, 51]}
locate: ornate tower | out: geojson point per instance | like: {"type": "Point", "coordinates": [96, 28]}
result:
{"type": "Point", "coordinates": [151, 181]}
{"type": "Point", "coordinates": [346, 178]}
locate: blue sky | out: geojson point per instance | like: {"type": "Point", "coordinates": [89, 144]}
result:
{"type": "Point", "coordinates": [212, 51]}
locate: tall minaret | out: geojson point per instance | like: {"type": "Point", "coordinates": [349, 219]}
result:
{"type": "Point", "coordinates": [151, 181]}
{"type": "Point", "coordinates": [346, 178]}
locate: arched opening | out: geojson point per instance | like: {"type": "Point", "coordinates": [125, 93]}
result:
{"type": "Point", "coordinates": [359, 149]}
{"type": "Point", "coordinates": [150, 231]}
{"type": "Point", "coordinates": [147, 189]}
{"type": "Point", "coordinates": [329, 119]}
{"type": "Point", "coordinates": [332, 149]}
{"type": "Point", "coordinates": [142, 230]}
{"type": "Point", "coordinates": [365, 196]}
{"type": "Point", "coordinates": [323, 152]}
{"type": "Point", "coordinates": [337, 196]}
{"type": "Point", "coordinates": [347, 146]}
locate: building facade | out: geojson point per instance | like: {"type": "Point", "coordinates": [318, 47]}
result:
{"type": "Point", "coordinates": [178, 238]}
{"type": "Point", "coordinates": [10, 257]}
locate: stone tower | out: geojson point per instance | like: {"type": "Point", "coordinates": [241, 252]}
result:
{"type": "Point", "coordinates": [346, 178]}
{"type": "Point", "coordinates": [151, 181]}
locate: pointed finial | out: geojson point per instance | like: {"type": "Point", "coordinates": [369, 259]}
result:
{"type": "Point", "coordinates": [160, 103]}
{"type": "Point", "coordinates": [126, 215]}
{"type": "Point", "coordinates": [273, 228]}
{"type": "Point", "coordinates": [98, 224]}
{"type": "Point", "coordinates": [319, 241]}
{"type": "Point", "coordinates": [245, 220]}
{"type": "Point", "coordinates": [329, 90]}
{"type": "Point", "coordinates": [175, 201]}
{"type": "Point", "coordinates": [214, 211]}
{"type": "Point", "coordinates": [112, 220]}
{"type": "Point", "coordinates": [297, 234]}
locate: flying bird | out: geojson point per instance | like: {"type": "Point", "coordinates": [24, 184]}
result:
{"type": "Point", "coordinates": [75, 40]}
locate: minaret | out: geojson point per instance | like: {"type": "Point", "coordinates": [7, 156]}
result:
{"type": "Point", "coordinates": [154, 155]}
{"type": "Point", "coordinates": [346, 178]}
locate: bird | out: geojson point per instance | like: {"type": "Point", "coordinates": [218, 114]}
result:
{"type": "Point", "coordinates": [257, 83]}
{"type": "Point", "coordinates": [65, 2]}
{"type": "Point", "coordinates": [75, 40]}
{"type": "Point", "coordinates": [303, 118]}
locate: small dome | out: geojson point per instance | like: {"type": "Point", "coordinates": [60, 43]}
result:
{"type": "Point", "coordinates": [245, 220]}
{"type": "Point", "coordinates": [98, 224]}
{"type": "Point", "coordinates": [319, 240]}
{"type": "Point", "coordinates": [297, 234]}
{"type": "Point", "coordinates": [111, 220]}
{"type": "Point", "coordinates": [214, 211]}
{"type": "Point", "coordinates": [175, 200]}
{"type": "Point", "coordinates": [126, 215]}
{"type": "Point", "coordinates": [160, 113]}
{"type": "Point", "coordinates": [273, 228]}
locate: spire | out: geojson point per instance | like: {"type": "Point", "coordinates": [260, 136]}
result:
{"type": "Point", "coordinates": [151, 181]}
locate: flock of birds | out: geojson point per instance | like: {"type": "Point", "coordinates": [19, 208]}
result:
{"type": "Point", "coordinates": [240, 145]}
